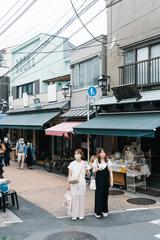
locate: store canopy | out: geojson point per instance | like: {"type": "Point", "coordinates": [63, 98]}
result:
{"type": "Point", "coordinates": [62, 129]}
{"type": "Point", "coordinates": [27, 121]}
{"type": "Point", "coordinates": [130, 124]}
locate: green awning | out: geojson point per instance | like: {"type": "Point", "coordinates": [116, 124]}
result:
{"type": "Point", "coordinates": [130, 124]}
{"type": "Point", "coordinates": [27, 121]}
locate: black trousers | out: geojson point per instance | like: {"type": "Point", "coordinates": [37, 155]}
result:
{"type": "Point", "coordinates": [102, 191]}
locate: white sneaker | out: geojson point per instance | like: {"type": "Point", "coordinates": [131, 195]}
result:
{"type": "Point", "coordinates": [81, 218]}
{"type": "Point", "coordinates": [97, 216]}
{"type": "Point", "coordinates": [105, 214]}
{"type": "Point", "coordinates": [74, 218]}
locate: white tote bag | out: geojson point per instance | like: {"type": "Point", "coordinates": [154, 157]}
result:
{"type": "Point", "coordinates": [92, 185]}
{"type": "Point", "coordinates": [67, 201]}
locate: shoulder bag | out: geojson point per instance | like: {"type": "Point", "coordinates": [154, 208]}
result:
{"type": "Point", "coordinates": [75, 179]}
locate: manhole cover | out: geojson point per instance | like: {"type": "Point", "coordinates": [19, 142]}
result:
{"type": "Point", "coordinates": [71, 236]}
{"type": "Point", "coordinates": [116, 192]}
{"type": "Point", "coordinates": [141, 201]}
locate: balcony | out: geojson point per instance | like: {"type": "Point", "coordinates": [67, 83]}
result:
{"type": "Point", "coordinates": [143, 74]}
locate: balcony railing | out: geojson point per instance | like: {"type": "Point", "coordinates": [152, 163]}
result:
{"type": "Point", "coordinates": [142, 73]}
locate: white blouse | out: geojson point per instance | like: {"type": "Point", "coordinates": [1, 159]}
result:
{"type": "Point", "coordinates": [103, 165]}
{"type": "Point", "coordinates": [78, 168]}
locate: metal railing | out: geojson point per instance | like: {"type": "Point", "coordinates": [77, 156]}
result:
{"type": "Point", "coordinates": [141, 73]}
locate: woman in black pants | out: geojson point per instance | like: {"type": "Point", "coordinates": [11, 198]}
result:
{"type": "Point", "coordinates": [104, 179]}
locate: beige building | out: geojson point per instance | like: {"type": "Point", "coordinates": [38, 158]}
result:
{"type": "Point", "coordinates": [133, 42]}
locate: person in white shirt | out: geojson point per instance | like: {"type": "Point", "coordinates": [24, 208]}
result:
{"type": "Point", "coordinates": [78, 169]}
{"type": "Point", "coordinates": [104, 179]}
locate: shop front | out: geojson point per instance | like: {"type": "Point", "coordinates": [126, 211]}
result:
{"type": "Point", "coordinates": [64, 141]}
{"type": "Point", "coordinates": [129, 139]}
{"type": "Point", "coordinates": [30, 126]}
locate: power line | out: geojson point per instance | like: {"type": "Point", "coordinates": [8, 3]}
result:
{"type": "Point", "coordinates": [9, 10]}
{"type": "Point", "coordinates": [20, 15]}
{"type": "Point", "coordinates": [59, 46]}
{"type": "Point", "coordinates": [43, 45]}
{"type": "Point", "coordinates": [55, 24]}
{"type": "Point", "coordinates": [83, 23]}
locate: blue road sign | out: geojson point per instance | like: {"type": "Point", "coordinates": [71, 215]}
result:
{"type": "Point", "coordinates": [92, 91]}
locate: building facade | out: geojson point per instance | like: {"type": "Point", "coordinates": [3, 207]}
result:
{"type": "Point", "coordinates": [129, 118]}
{"type": "Point", "coordinates": [40, 68]}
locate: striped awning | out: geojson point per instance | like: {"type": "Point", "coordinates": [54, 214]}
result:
{"type": "Point", "coordinates": [62, 129]}
{"type": "Point", "coordinates": [77, 113]}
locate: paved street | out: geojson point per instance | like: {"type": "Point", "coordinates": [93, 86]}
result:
{"type": "Point", "coordinates": [41, 213]}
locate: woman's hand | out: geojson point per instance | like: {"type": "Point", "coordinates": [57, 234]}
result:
{"type": "Point", "coordinates": [68, 186]}
{"type": "Point", "coordinates": [111, 183]}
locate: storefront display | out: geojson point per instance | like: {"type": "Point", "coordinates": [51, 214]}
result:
{"type": "Point", "coordinates": [130, 168]}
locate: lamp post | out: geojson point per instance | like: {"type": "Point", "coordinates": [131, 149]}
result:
{"type": "Point", "coordinates": [4, 105]}
{"type": "Point", "coordinates": [103, 83]}
{"type": "Point", "coordinates": [65, 91]}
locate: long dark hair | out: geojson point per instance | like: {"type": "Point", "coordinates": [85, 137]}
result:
{"type": "Point", "coordinates": [98, 152]}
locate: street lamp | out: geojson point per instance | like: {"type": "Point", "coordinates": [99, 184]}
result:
{"type": "Point", "coordinates": [103, 83]}
{"type": "Point", "coordinates": [4, 105]}
{"type": "Point", "coordinates": [66, 90]}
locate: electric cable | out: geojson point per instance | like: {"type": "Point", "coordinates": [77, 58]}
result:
{"type": "Point", "coordinates": [39, 48]}
{"type": "Point", "coordinates": [9, 10]}
{"type": "Point", "coordinates": [58, 47]}
{"type": "Point", "coordinates": [19, 16]}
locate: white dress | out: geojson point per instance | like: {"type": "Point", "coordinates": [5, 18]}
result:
{"type": "Point", "coordinates": [78, 190]}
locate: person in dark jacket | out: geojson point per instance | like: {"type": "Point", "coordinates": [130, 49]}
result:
{"type": "Point", "coordinates": [7, 152]}
{"type": "Point", "coordinates": [2, 150]}
{"type": "Point", "coordinates": [29, 153]}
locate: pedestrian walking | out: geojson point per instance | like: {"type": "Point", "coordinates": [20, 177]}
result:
{"type": "Point", "coordinates": [77, 184]}
{"type": "Point", "coordinates": [29, 153]}
{"type": "Point", "coordinates": [104, 179]}
{"type": "Point", "coordinates": [20, 148]}
{"type": "Point", "coordinates": [7, 152]}
{"type": "Point", "coordinates": [2, 150]}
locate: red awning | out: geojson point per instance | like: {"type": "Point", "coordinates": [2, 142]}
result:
{"type": "Point", "coordinates": [62, 129]}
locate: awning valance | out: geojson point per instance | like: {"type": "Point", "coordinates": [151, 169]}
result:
{"type": "Point", "coordinates": [62, 129]}
{"type": "Point", "coordinates": [130, 124]}
{"type": "Point", "coordinates": [27, 121]}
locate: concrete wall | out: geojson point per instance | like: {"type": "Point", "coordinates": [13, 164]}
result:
{"type": "Point", "coordinates": [129, 22]}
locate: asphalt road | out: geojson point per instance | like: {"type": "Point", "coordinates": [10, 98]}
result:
{"type": "Point", "coordinates": [38, 224]}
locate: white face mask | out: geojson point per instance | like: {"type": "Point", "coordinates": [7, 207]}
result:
{"type": "Point", "coordinates": [22, 142]}
{"type": "Point", "coordinates": [77, 156]}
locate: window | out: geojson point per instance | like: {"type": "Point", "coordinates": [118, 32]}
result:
{"type": "Point", "coordinates": [85, 74]}
{"type": "Point", "coordinates": [142, 66]}
{"type": "Point", "coordinates": [29, 88]}
{"type": "Point", "coordinates": [1, 59]}
{"type": "Point", "coordinates": [155, 65]}
{"type": "Point", "coordinates": [82, 75]}
{"type": "Point", "coordinates": [75, 77]}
